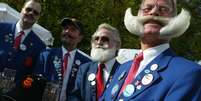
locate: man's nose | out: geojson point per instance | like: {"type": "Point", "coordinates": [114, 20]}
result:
{"type": "Point", "coordinates": [67, 30]}
{"type": "Point", "coordinates": [154, 11]}
{"type": "Point", "coordinates": [99, 41]}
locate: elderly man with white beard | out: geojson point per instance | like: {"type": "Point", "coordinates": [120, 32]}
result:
{"type": "Point", "coordinates": [156, 73]}
{"type": "Point", "coordinates": [93, 77]}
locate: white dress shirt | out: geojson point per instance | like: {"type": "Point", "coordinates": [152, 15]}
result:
{"type": "Point", "coordinates": [150, 54]}
{"type": "Point", "coordinates": [67, 72]}
{"type": "Point", "coordinates": [19, 29]}
{"type": "Point", "coordinates": [108, 69]}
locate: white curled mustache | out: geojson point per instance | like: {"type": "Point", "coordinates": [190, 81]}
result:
{"type": "Point", "coordinates": [172, 27]}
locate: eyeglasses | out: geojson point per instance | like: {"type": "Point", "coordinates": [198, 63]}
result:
{"type": "Point", "coordinates": [28, 9]}
{"type": "Point", "coordinates": [103, 39]}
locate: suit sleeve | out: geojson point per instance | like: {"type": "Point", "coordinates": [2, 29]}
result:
{"type": "Point", "coordinates": [186, 88]}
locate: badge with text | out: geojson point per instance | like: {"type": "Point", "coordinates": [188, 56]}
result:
{"type": "Point", "coordinates": [129, 90]}
{"type": "Point", "coordinates": [91, 77]}
{"type": "Point", "coordinates": [153, 67]}
{"type": "Point", "coordinates": [147, 79]}
{"type": "Point", "coordinates": [115, 89]}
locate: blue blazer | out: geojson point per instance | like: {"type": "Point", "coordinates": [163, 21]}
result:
{"type": "Point", "coordinates": [84, 90]}
{"type": "Point", "coordinates": [166, 78]}
{"type": "Point", "coordinates": [22, 60]}
{"type": "Point", "coordinates": [51, 59]}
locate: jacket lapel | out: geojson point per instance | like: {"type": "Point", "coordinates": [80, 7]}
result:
{"type": "Point", "coordinates": [120, 77]}
{"type": "Point", "coordinates": [151, 73]}
{"type": "Point", "coordinates": [91, 80]}
{"type": "Point", "coordinates": [56, 61]}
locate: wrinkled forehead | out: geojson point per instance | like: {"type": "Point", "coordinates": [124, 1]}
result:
{"type": "Point", "coordinates": [166, 3]}
{"type": "Point", "coordinates": [158, 2]}
{"type": "Point", "coordinates": [34, 5]}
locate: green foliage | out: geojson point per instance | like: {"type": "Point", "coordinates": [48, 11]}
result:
{"type": "Point", "coordinates": [94, 12]}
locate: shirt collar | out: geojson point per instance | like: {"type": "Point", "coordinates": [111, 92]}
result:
{"type": "Point", "coordinates": [109, 64]}
{"type": "Point", "coordinates": [18, 29]}
{"type": "Point", "coordinates": [71, 53]}
{"type": "Point", "coordinates": [155, 51]}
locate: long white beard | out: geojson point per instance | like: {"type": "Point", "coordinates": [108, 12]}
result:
{"type": "Point", "coordinates": [172, 27]}
{"type": "Point", "coordinates": [102, 55]}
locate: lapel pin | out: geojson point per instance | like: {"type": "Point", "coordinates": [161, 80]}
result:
{"type": "Point", "coordinates": [93, 83]}
{"type": "Point", "coordinates": [77, 62]}
{"type": "Point", "coordinates": [137, 83]}
{"type": "Point", "coordinates": [59, 74]}
{"type": "Point", "coordinates": [31, 44]}
{"type": "Point", "coordinates": [115, 89]}
{"type": "Point", "coordinates": [147, 79]}
{"type": "Point", "coordinates": [129, 90]}
{"type": "Point", "coordinates": [154, 67]}
{"type": "Point", "coordinates": [11, 42]}
{"type": "Point", "coordinates": [138, 87]}
{"type": "Point", "coordinates": [23, 47]}
{"type": "Point", "coordinates": [147, 71]}
{"type": "Point", "coordinates": [121, 75]}
{"type": "Point", "coordinates": [91, 77]}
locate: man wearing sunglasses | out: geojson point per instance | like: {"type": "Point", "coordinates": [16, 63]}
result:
{"type": "Point", "coordinates": [156, 73]}
{"type": "Point", "coordinates": [93, 77]}
{"type": "Point", "coordinates": [19, 45]}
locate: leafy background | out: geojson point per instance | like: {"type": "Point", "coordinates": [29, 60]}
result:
{"type": "Point", "coordinates": [94, 12]}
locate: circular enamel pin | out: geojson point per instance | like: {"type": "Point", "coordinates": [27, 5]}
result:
{"type": "Point", "coordinates": [147, 71]}
{"type": "Point", "coordinates": [129, 90]}
{"type": "Point", "coordinates": [23, 47]}
{"type": "Point", "coordinates": [31, 44]}
{"type": "Point", "coordinates": [77, 62]}
{"type": "Point", "coordinates": [154, 67]}
{"type": "Point", "coordinates": [91, 77]}
{"type": "Point", "coordinates": [93, 83]}
{"type": "Point", "coordinates": [147, 79]}
{"type": "Point", "coordinates": [138, 87]}
{"type": "Point", "coordinates": [59, 74]}
{"type": "Point", "coordinates": [121, 100]}
{"type": "Point", "coordinates": [115, 89]}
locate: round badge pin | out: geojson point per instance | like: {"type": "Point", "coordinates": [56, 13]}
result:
{"type": "Point", "coordinates": [147, 71]}
{"type": "Point", "coordinates": [129, 90]}
{"type": "Point", "coordinates": [78, 62]}
{"type": "Point", "coordinates": [23, 47]}
{"type": "Point", "coordinates": [121, 99]}
{"type": "Point", "coordinates": [93, 83]}
{"type": "Point", "coordinates": [115, 89]}
{"type": "Point", "coordinates": [147, 79]}
{"type": "Point", "coordinates": [153, 67]}
{"type": "Point", "coordinates": [139, 87]}
{"type": "Point", "coordinates": [91, 77]}
{"type": "Point", "coordinates": [31, 44]}
{"type": "Point", "coordinates": [59, 74]}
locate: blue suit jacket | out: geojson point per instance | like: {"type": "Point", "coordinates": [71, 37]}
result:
{"type": "Point", "coordinates": [175, 79]}
{"type": "Point", "coordinates": [84, 90]}
{"type": "Point", "coordinates": [22, 60]}
{"type": "Point", "coordinates": [51, 59]}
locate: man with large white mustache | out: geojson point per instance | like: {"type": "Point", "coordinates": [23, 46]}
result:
{"type": "Point", "coordinates": [94, 77]}
{"type": "Point", "coordinates": [156, 73]}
